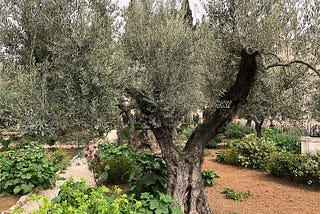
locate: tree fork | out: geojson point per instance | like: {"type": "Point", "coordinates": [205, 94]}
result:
{"type": "Point", "coordinates": [184, 168]}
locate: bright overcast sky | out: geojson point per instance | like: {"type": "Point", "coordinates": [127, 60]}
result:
{"type": "Point", "coordinates": [196, 7]}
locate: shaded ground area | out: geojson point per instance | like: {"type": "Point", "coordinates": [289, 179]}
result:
{"type": "Point", "coordinates": [269, 195]}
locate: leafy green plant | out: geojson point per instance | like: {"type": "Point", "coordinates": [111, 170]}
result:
{"type": "Point", "coordinates": [232, 157]}
{"type": "Point", "coordinates": [78, 197]}
{"type": "Point", "coordinates": [58, 159]}
{"type": "Point", "coordinates": [232, 195]}
{"type": "Point", "coordinates": [182, 127]}
{"type": "Point", "coordinates": [215, 142]}
{"type": "Point", "coordinates": [235, 131]}
{"type": "Point", "coordinates": [184, 131]}
{"type": "Point", "coordinates": [284, 141]}
{"type": "Point", "coordinates": [109, 161]}
{"type": "Point", "coordinates": [303, 168]}
{"type": "Point", "coordinates": [25, 167]}
{"type": "Point", "coordinates": [207, 153]}
{"type": "Point", "coordinates": [163, 204]}
{"type": "Point", "coordinates": [208, 177]}
{"type": "Point", "coordinates": [255, 153]}
{"type": "Point", "coordinates": [119, 170]}
{"type": "Point", "coordinates": [220, 156]}
{"type": "Point", "coordinates": [150, 175]}
{"type": "Point", "coordinates": [283, 164]}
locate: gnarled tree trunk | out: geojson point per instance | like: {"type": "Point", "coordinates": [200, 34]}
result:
{"type": "Point", "coordinates": [184, 167]}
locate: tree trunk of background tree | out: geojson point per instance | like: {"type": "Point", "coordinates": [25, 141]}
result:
{"type": "Point", "coordinates": [258, 128]}
{"type": "Point", "coordinates": [248, 123]}
{"type": "Point", "coordinates": [119, 131]}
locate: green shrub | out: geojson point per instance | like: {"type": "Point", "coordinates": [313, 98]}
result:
{"type": "Point", "coordinates": [207, 153]}
{"type": "Point", "coordinates": [208, 177]}
{"type": "Point", "coordinates": [220, 156]}
{"type": "Point", "coordinates": [235, 131]}
{"type": "Point", "coordinates": [215, 142]}
{"type": "Point", "coordinates": [109, 162]}
{"type": "Point", "coordinates": [232, 195]}
{"type": "Point", "coordinates": [78, 197]}
{"type": "Point", "coordinates": [182, 127]}
{"type": "Point", "coordinates": [150, 175]}
{"type": "Point", "coordinates": [231, 157]}
{"type": "Point", "coordinates": [114, 164]}
{"type": "Point", "coordinates": [58, 159]}
{"type": "Point", "coordinates": [184, 131]}
{"type": "Point", "coordinates": [283, 164]}
{"type": "Point", "coordinates": [255, 153]}
{"type": "Point", "coordinates": [25, 167]}
{"type": "Point", "coordinates": [232, 143]}
{"type": "Point", "coordinates": [303, 168]}
{"type": "Point", "coordinates": [119, 170]}
{"type": "Point", "coordinates": [161, 204]}
{"type": "Point", "coordinates": [285, 141]}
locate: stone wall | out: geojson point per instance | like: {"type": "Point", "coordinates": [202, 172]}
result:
{"type": "Point", "coordinates": [310, 144]}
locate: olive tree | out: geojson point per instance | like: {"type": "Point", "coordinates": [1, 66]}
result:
{"type": "Point", "coordinates": [277, 29]}
{"type": "Point", "coordinates": [61, 63]}
{"type": "Point", "coordinates": [178, 69]}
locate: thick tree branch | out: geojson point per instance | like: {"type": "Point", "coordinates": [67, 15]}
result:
{"type": "Point", "coordinates": [283, 64]}
{"type": "Point", "coordinates": [236, 95]}
{"type": "Point", "coordinates": [145, 106]}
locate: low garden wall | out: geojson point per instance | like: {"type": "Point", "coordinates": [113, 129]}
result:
{"type": "Point", "coordinates": [310, 144]}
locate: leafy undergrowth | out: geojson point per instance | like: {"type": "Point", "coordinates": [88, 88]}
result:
{"type": "Point", "coordinates": [80, 198]}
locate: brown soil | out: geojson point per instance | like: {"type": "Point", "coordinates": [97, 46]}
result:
{"type": "Point", "coordinates": [8, 201]}
{"type": "Point", "coordinates": [269, 195]}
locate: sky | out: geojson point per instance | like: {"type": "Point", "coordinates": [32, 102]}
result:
{"type": "Point", "coordinates": [196, 7]}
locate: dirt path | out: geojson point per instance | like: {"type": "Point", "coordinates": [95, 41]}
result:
{"type": "Point", "coordinates": [269, 195]}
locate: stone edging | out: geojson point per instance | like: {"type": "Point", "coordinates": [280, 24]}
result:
{"type": "Point", "coordinates": [25, 198]}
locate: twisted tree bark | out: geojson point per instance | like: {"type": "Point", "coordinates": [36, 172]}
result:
{"type": "Point", "coordinates": [184, 167]}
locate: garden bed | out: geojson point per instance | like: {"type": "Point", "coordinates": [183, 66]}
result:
{"type": "Point", "coordinates": [269, 195]}
{"type": "Point", "coordinates": [10, 200]}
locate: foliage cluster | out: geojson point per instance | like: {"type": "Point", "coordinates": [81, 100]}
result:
{"type": "Point", "coordinates": [255, 153]}
{"type": "Point", "coordinates": [208, 177]}
{"type": "Point", "coordinates": [143, 172]}
{"type": "Point", "coordinates": [215, 142]}
{"type": "Point", "coordinates": [184, 131]}
{"type": "Point", "coordinates": [78, 197]}
{"type": "Point", "coordinates": [303, 168]}
{"type": "Point", "coordinates": [25, 167]}
{"type": "Point", "coordinates": [58, 158]}
{"type": "Point", "coordinates": [280, 158]}
{"type": "Point", "coordinates": [235, 131]}
{"type": "Point", "coordinates": [285, 141]}
{"type": "Point", "coordinates": [232, 195]}
{"type": "Point", "coordinates": [250, 152]}
{"type": "Point", "coordinates": [149, 175]}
